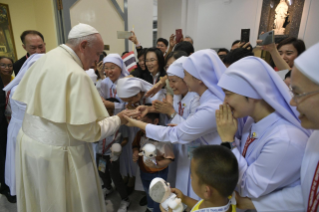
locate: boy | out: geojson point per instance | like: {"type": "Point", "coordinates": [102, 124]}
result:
{"type": "Point", "coordinates": [148, 169]}
{"type": "Point", "coordinates": [214, 173]}
{"type": "Point", "coordinates": [109, 168]}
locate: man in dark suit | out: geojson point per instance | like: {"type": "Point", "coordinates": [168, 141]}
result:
{"type": "Point", "coordinates": [32, 42]}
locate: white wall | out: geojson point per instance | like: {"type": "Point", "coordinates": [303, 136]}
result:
{"type": "Point", "coordinates": [140, 15]}
{"type": "Point", "coordinates": [211, 23]}
{"type": "Point", "coordinates": [216, 24]}
{"type": "Point", "coordinates": [169, 17]}
{"type": "Point", "coordinates": [309, 26]}
{"type": "Point", "coordinates": [102, 15]}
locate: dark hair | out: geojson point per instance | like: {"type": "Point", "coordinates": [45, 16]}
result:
{"type": "Point", "coordinates": [235, 42]}
{"type": "Point", "coordinates": [297, 43]}
{"type": "Point", "coordinates": [185, 46]}
{"type": "Point", "coordinates": [4, 57]}
{"type": "Point", "coordinates": [160, 58]}
{"type": "Point", "coordinates": [104, 53]}
{"type": "Point", "coordinates": [112, 100]}
{"type": "Point", "coordinates": [162, 40]}
{"type": "Point", "coordinates": [288, 75]}
{"type": "Point", "coordinates": [176, 55]}
{"type": "Point", "coordinates": [236, 55]}
{"type": "Point", "coordinates": [28, 32]}
{"type": "Point", "coordinates": [124, 53]}
{"type": "Point", "coordinates": [141, 52]}
{"type": "Point", "coordinates": [153, 116]}
{"type": "Point", "coordinates": [223, 50]}
{"type": "Point", "coordinates": [217, 167]}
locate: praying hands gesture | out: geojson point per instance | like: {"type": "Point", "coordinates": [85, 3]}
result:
{"type": "Point", "coordinates": [226, 123]}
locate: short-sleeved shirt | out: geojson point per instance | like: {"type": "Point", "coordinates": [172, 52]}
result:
{"type": "Point", "coordinates": [105, 144]}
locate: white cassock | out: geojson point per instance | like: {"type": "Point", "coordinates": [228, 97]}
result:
{"type": "Point", "coordinates": [55, 167]}
{"type": "Point", "coordinates": [15, 124]}
{"type": "Point", "coordinates": [295, 198]}
{"type": "Point", "coordinates": [273, 159]}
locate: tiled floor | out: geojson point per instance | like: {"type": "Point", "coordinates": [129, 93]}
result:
{"type": "Point", "coordinates": [112, 203]}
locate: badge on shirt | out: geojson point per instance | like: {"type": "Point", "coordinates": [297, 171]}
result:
{"type": "Point", "coordinates": [102, 165]}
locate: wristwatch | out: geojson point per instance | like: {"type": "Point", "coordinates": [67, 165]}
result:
{"type": "Point", "coordinates": [229, 145]}
{"type": "Point", "coordinates": [173, 115]}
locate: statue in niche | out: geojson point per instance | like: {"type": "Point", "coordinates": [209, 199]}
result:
{"type": "Point", "coordinates": [281, 14]}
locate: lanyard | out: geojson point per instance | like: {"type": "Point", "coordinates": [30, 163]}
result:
{"type": "Point", "coordinates": [112, 92]}
{"type": "Point", "coordinates": [180, 109]}
{"type": "Point", "coordinates": [249, 140]}
{"type": "Point", "coordinates": [313, 199]}
{"type": "Point", "coordinates": [108, 146]}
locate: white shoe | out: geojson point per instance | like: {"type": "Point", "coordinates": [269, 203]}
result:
{"type": "Point", "coordinates": [123, 206]}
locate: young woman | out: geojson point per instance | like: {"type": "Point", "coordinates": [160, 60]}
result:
{"type": "Point", "coordinates": [202, 72]}
{"type": "Point", "coordinates": [272, 145]}
{"type": "Point", "coordinates": [155, 63]}
{"type": "Point", "coordinates": [6, 70]}
{"type": "Point", "coordinates": [115, 69]}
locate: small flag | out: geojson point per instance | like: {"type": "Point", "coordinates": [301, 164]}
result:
{"type": "Point", "coordinates": [130, 61]}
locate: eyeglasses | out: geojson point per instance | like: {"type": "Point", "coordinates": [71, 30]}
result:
{"type": "Point", "coordinates": [5, 65]}
{"type": "Point", "coordinates": [297, 98]}
{"type": "Point", "coordinates": [111, 68]}
{"type": "Point", "coordinates": [150, 61]}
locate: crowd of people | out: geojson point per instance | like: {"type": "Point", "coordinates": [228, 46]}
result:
{"type": "Point", "coordinates": [229, 133]}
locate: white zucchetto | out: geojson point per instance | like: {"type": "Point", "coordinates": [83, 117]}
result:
{"type": "Point", "coordinates": [81, 30]}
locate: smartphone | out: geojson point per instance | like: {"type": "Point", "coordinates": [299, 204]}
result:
{"type": "Point", "coordinates": [267, 38]}
{"type": "Point", "coordinates": [179, 35]}
{"type": "Point", "coordinates": [123, 34]}
{"type": "Point", "coordinates": [245, 33]}
{"type": "Point", "coordinates": [101, 57]}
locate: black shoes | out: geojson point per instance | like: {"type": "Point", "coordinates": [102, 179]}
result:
{"type": "Point", "coordinates": [11, 199]}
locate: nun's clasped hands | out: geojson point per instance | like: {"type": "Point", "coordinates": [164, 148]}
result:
{"type": "Point", "coordinates": [226, 123]}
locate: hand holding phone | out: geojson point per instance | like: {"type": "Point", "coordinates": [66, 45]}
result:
{"type": "Point", "coordinates": [179, 35]}
{"type": "Point", "coordinates": [267, 38]}
{"type": "Point", "coordinates": [245, 34]}
{"type": "Point", "coordinates": [123, 34]}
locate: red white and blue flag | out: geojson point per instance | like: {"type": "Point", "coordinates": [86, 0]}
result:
{"type": "Point", "coordinates": [130, 61]}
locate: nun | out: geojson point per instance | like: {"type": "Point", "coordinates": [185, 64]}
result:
{"type": "Point", "coordinates": [202, 71]}
{"type": "Point", "coordinates": [273, 141]}
{"type": "Point", "coordinates": [185, 104]}
{"type": "Point", "coordinates": [18, 110]}
{"type": "Point", "coordinates": [132, 91]}
{"type": "Point", "coordinates": [115, 69]}
{"type": "Point", "coordinates": [305, 89]}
